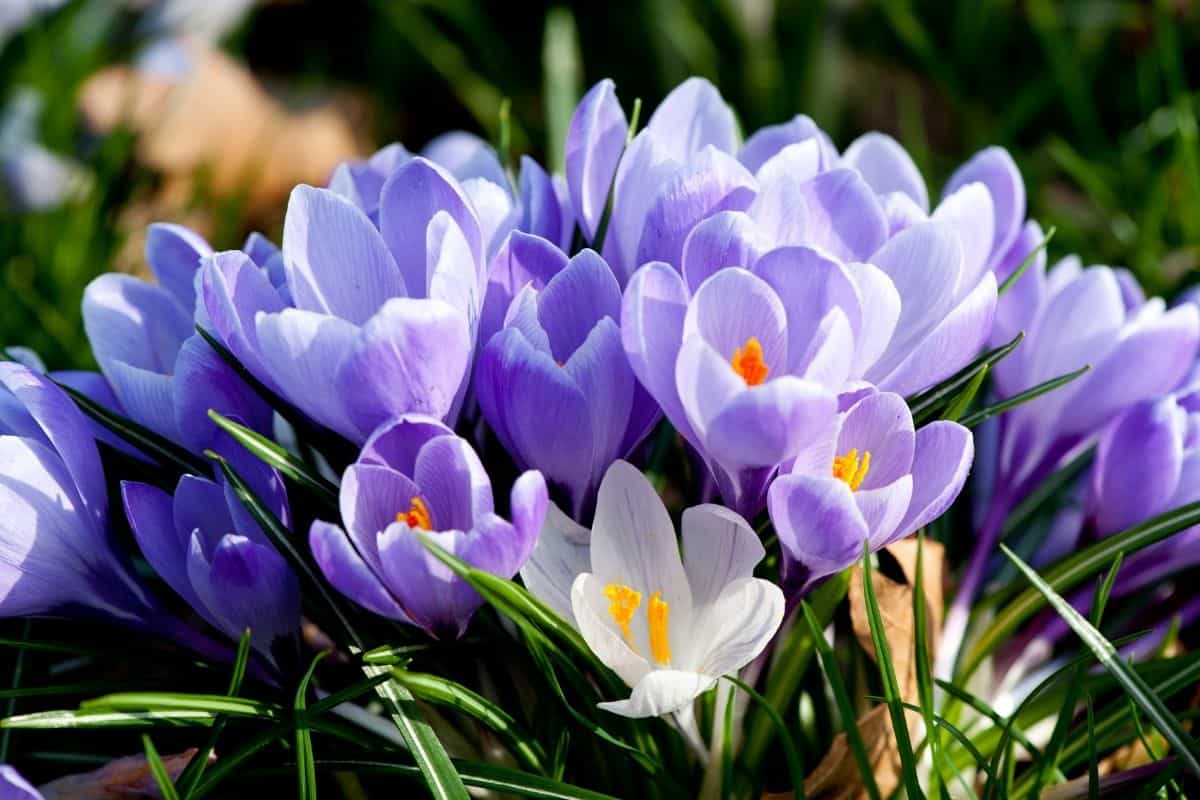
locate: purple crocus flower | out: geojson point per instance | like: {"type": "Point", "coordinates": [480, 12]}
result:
{"type": "Point", "coordinates": [748, 367]}
{"type": "Point", "coordinates": [161, 372]}
{"type": "Point", "coordinates": [1073, 317]}
{"type": "Point", "coordinates": [595, 142]}
{"type": "Point", "coordinates": [390, 311]}
{"type": "Point", "coordinates": [57, 555]}
{"type": "Point", "coordinates": [555, 384]}
{"type": "Point", "coordinates": [415, 478]}
{"type": "Point", "coordinates": [872, 478]}
{"type": "Point", "coordinates": [208, 548]}
{"type": "Point", "coordinates": [14, 787]}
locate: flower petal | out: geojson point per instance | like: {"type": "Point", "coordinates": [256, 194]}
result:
{"type": "Point", "coordinates": [692, 117]}
{"type": "Point", "coordinates": [843, 215]}
{"type": "Point", "coordinates": [345, 569]}
{"type": "Point", "coordinates": [173, 253]}
{"type": "Point", "coordinates": [969, 211]}
{"type": "Point", "coordinates": [661, 692]}
{"type": "Point", "coordinates": [595, 140]}
{"type": "Point", "coordinates": [738, 626]}
{"type": "Point", "coordinates": [941, 461]}
{"type": "Point", "coordinates": [1138, 464]}
{"type": "Point", "coordinates": [652, 317]}
{"type": "Point", "coordinates": [820, 527]}
{"type": "Point", "coordinates": [887, 167]}
{"type": "Point", "coordinates": [727, 239]}
{"type": "Point", "coordinates": [453, 482]}
{"type": "Point", "coordinates": [562, 553]}
{"type": "Point", "coordinates": [995, 168]}
{"type": "Point", "coordinates": [734, 306]}
{"type": "Point", "coordinates": [719, 548]}
{"type": "Point", "coordinates": [766, 425]}
{"type": "Point", "coordinates": [579, 296]}
{"type": "Point", "coordinates": [588, 606]}
{"type": "Point", "coordinates": [766, 142]}
{"type": "Point", "coordinates": [881, 425]}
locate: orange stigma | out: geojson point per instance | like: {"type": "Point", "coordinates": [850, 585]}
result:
{"type": "Point", "coordinates": [850, 469]}
{"type": "Point", "coordinates": [417, 515]}
{"type": "Point", "coordinates": [622, 603]}
{"type": "Point", "coordinates": [748, 362]}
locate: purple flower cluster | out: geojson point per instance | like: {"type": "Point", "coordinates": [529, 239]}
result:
{"type": "Point", "coordinates": [773, 302]}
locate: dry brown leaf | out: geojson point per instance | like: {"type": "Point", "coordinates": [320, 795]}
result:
{"type": "Point", "coordinates": [218, 118]}
{"type": "Point", "coordinates": [895, 607]}
{"type": "Point", "coordinates": [837, 776]}
{"type": "Point", "coordinates": [123, 779]}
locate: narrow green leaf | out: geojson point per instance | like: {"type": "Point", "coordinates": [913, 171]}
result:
{"type": "Point", "coordinates": [273, 455]}
{"type": "Point", "coordinates": [1093, 761]}
{"type": "Point", "coordinates": [925, 403]}
{"type": "Point", "coordinates": [181, 701]}
{"type": "Point", "coordinates": [283, 540]}
{"type": "Point", "coordinates": [997, 719]}
{"type": "Point", "coordinates": [971, 420]}
{"type": "Point", "coordinates": [435, 689]}
{"type": "Point", "coordinates": [1107, 655]}
{"type": "Point", "coordinates": [727, 789]}
{"type": "Point", "coordinates": [837, 686]}
{"type": "Point", "coordinates": [147, 441]}
{"type": "Point", "coordinates": [562, 68]}
{"type": "Point", "coordinates": [441, 778]}
{"type": "Point", "coordinates": [1029, 259]}
{"type": "Point", "coordinates": [347, 694]}
{"type": "Point", "coordinates": [795, 766]}
{"type": "Point", "coordinates": [962, 739]}
{"type": "Point", "coordinates": [891, 688]}
{"type": "Point", "coordinates": [960, 403]}
{"type": "Point", "coordinates": [1073, 570]}
{"type": "Point", "coordinates": [924, 669]}
{"type": "Point", "coordinates": [190, 777]}
{"type": "Point", "coordinates": [165, 786]}
{"type": "Point", "coordinates": [51, 720]}
{"type": "Point", "coordinates": [306, 771]}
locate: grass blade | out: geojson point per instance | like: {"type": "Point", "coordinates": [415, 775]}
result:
{"type": "Point", "coordinates": [190, 777]}
{"type": "Point", "coordinates": [165, 787]}
{"type": "Point", "coordinates": [924, 404]}
{"type": "Point", "coordinates": [891, 688]}
{"type": "Point", "coordinates": [971, 420]}
{"type": "Point", "coordinates": [791, 753]}
{"type": "Point", "coordinates": [1107, 655]}
{"type": "Point", "coordinates": [306, 771]}
{"type": "Point", "coordinates": [1029, 259]}
{"type": "Point", "coordinates": [273, 455]}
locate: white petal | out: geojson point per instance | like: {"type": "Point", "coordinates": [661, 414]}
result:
{"type": "Point", "coordinates": [738, 626]}
{"type": "Point", "coordinates": [600, 632]}
{"type": "Point", "coordinates": [719, 547]}
{"type": "Point", "coordinates": [560, 556]}
{"type": "Point", "coordinates": [663, 691]}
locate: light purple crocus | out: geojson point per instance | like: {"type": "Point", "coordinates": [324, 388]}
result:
{"type": "Point", "coordinates": [870, 479]}
{"type": "Point", "coordinates": [162, 374]}
{"type": "Point", "coordinates": [208, 548]}
{"type": "Point", "coordinates": [14, 787]}
{"type": "Point", "coordinates": [57, 554]}
{"type": "Point", "coordinates": [748, 367]}
{"type": "Point", "coordinates": [555, 384]}
{"type": "Point", "coordinates": [415, 478]}
{"type": "Point", "coordinates": [1073, 317]}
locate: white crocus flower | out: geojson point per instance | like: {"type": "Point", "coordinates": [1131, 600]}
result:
{"type": "Point", "coordinates": [669, 627]}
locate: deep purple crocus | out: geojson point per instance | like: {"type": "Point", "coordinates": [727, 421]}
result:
{"type": "Point", "coordinates": [555, 384]}
{"type": "Point", "coordinates": [415, 478]}
{"type": "Point", "coordinates": [1073, 317]}
{"type": "Point", "coordinates": [203, 542]}
{"type": "Point", "coordinates": [870, 478]}
{"type": "Point", "coordinates": [748, 367]}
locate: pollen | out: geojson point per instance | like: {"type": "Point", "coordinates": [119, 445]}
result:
{"type": "Point", "coordinates": [852, 470]}
{"type": "Point", "coordinates": [417, 515]}
{"type": "Point", "coordinates": [658, 612]}
{"type": "Point", "coordinates": [748, 362]}
{"type": "Point", "coordinates": [623, 602]}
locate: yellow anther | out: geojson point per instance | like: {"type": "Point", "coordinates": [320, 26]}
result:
{"type": "Point", "coordinates": [748, 362]}
{"type": "Point", "coordinates": [658, 612]}
{"type": "Point", "coordinates": [850, 469]}
{"type": "Point", "coordinates": [417, 515]}
{"type": "Point", "coordinates": [623, 602]}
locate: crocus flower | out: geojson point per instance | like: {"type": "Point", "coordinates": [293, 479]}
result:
{"type": "Point", "coordinates": [555, 384]}
{"type": "Point", "coordinates": [161, 372]}
{"type": "Point", "coordinates": [415, 478]}
{"type": "Point", "coordinates": [669, 627]}
{"type": "Point", "coordinates": [1073, 317]}
{"type": "Point", "coordinates": [15, 787]}
{"type": "Point", "coordinates": [595, 141]}
{"type": "Point", "coordinates": [748, 367]}
{"type": "Point", "coordinates": [32, 177]}
{"type": "Point", "coordinates": [208, 548]}
{"type": "Point", "coordinates": [872, 480]}
{"type": "Point", "coordinates": [57, 555]}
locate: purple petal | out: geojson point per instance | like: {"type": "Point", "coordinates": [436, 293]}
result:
{"type": "Point", "coordinates": [370, 499]}
{"type": "Point", "coordinates": [705, 382]}
{"type": "Point", "coordinates": [397, 443]}
{"type": "Point", "coordinates": [692, 117]}
{"type": "Point", "coordinates": [528, 503]}
{"type": "Point", "coordinates": [199, 505]}
{"type": "Point", "coordinates": [887, 167]}
{"type": "Point", "coordinates": [453, 482]}
{"type": "Point", "coordinates": [342, 566]}
{"type": "Point", "coordinates": [727, 239]}
{"type": "Point", "coordinates": [173, 253]}
{"type": "Point", "coordinates": [435, 599]}
{"type": "Point", "coordinates": [232, 291]}
{"type": "Point", "coordinates": [454, 275]}
{"type": "Point", "coordinates": [465, 156]}
{"type": "Point", "coordinates": [524, 259]}
{"type": "Point", "coordinates": [941, 461]}
{"type": "Point", "coordinates": [595, 140]}
{"type": "Point", "coordinates": [541, 213]}
{"type": "Point", "coordinates": [768, 141]}
{"type": "Point", "coordinates": [146, 396]}
{"type": "Point", "coordinates": [1016, 309]}
{"type": "Point", "coordinates": [843, 216]}
{"type": "Point", "coordinates": [994, 168]}
{"type": "Point", "coordinates": [1138, 464]}
{"type": "Point", "coordinates": [14, 787]}
{"type": "Point", "coordinates": [496, 213]}
{"type": "Point", "coordinates": [819, 525]}
{"type": "Point", "coordinates": [765, 425]}
{"type": "Point", "coordinates": [247, 585]}
{"type": "Point", "coordinates": [969, 212]}
{"type": "Point", "coordinates": [336, 260]}
{"type": "Point", "coordinates": [883, 509]}
{"type": "Point", "coordinates": [411, 197]}
{"type": "Point", "coordinates": [204, 382]}
{"type": "Point", "coordinates": [652, 315]}
{"type": "Point", "coordinates": [130, 321]}
{"type": "Point", "coordinates": [735, 306]}
{"type": "Point", "coordinates": [259, 248]}
{"type": "Point", "coordinates": [151, 518]}
{"type": "Point", "coordinates": [901, 212]}
{"type": "Point", "coordinates": [574, 300]}
{"type": "Point", "coordinates": [877, 293]}
{"type": "Point", "coordinates": [881, 425]}
{"type": "Point", "coordinates": [410, 358]}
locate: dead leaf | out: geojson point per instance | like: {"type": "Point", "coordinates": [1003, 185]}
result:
{"type": "Point", "coordinates": [837, 777]}
{"type": "Point", "coordinates": [895, 606]}
{"type": "Point", "coordinates": [123, 779]}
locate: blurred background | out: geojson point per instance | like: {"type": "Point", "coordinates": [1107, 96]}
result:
{"type": "Point", "coordinates": [116, 113]}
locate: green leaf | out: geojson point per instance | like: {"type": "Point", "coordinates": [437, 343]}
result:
{"type": "Point", "coordinates": [441, 778]}
{"type": "Point", "coordinates": [727, 789]}
{"type": "Point", "coordinates": [181, 701]}
{"type": "Point", "coordinates": [86, 718]}
{"type": "Point", "coordinates": [924, 404]}
{"type": "Point", "coordinates": [147, 441]}
{"type": "Point", "coordinates": [190, 777]}
{"type": "Point", "coordinates": [795, 766]}
{"type": "Point", "coordinates": [435, 689]}
{"type": "Point", "coordinates": [998, 720]}
{"type": "Point", "coordinates": [962, 739]}
{"type": "Point", "coordinates": [887, 675]}
{"type": "Point", "coordinates": [1021, 398]}
{"type": "Point", "coordinates": [562, 68]}
{"type": "Point", "coordinates": [274, 455]}
{"type": "Point", "coordinates": [165, 787]}
{"type": "Point", "coordinates": [921, 652]}
{"type": "Point", "coordinates": [1107, 655]}
{"type": "Point", "coordinates": [1073, 570]}
{"type": "Point", "coordinates": [1029, 259]}
{"type": "Point", "coordinates": [837, 686]}
{"type": "Point", "coordinates": [306, 771]}
{"type": "Point", "coordinates": [959, 405]}
{"type": "Point", "coordinates": [283, 540]}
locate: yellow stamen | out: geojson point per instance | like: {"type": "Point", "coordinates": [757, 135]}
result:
{"type": "Point", "coordinates": [417, 515]}
{"type": "Point", "coordinates": [748, 362]}
{"type": "Point", "coordinates": [850, 470]}
{"type": "Point", "coordinates": [658, 612]}
{"type": "Point", "coordinates": [623, 602]}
